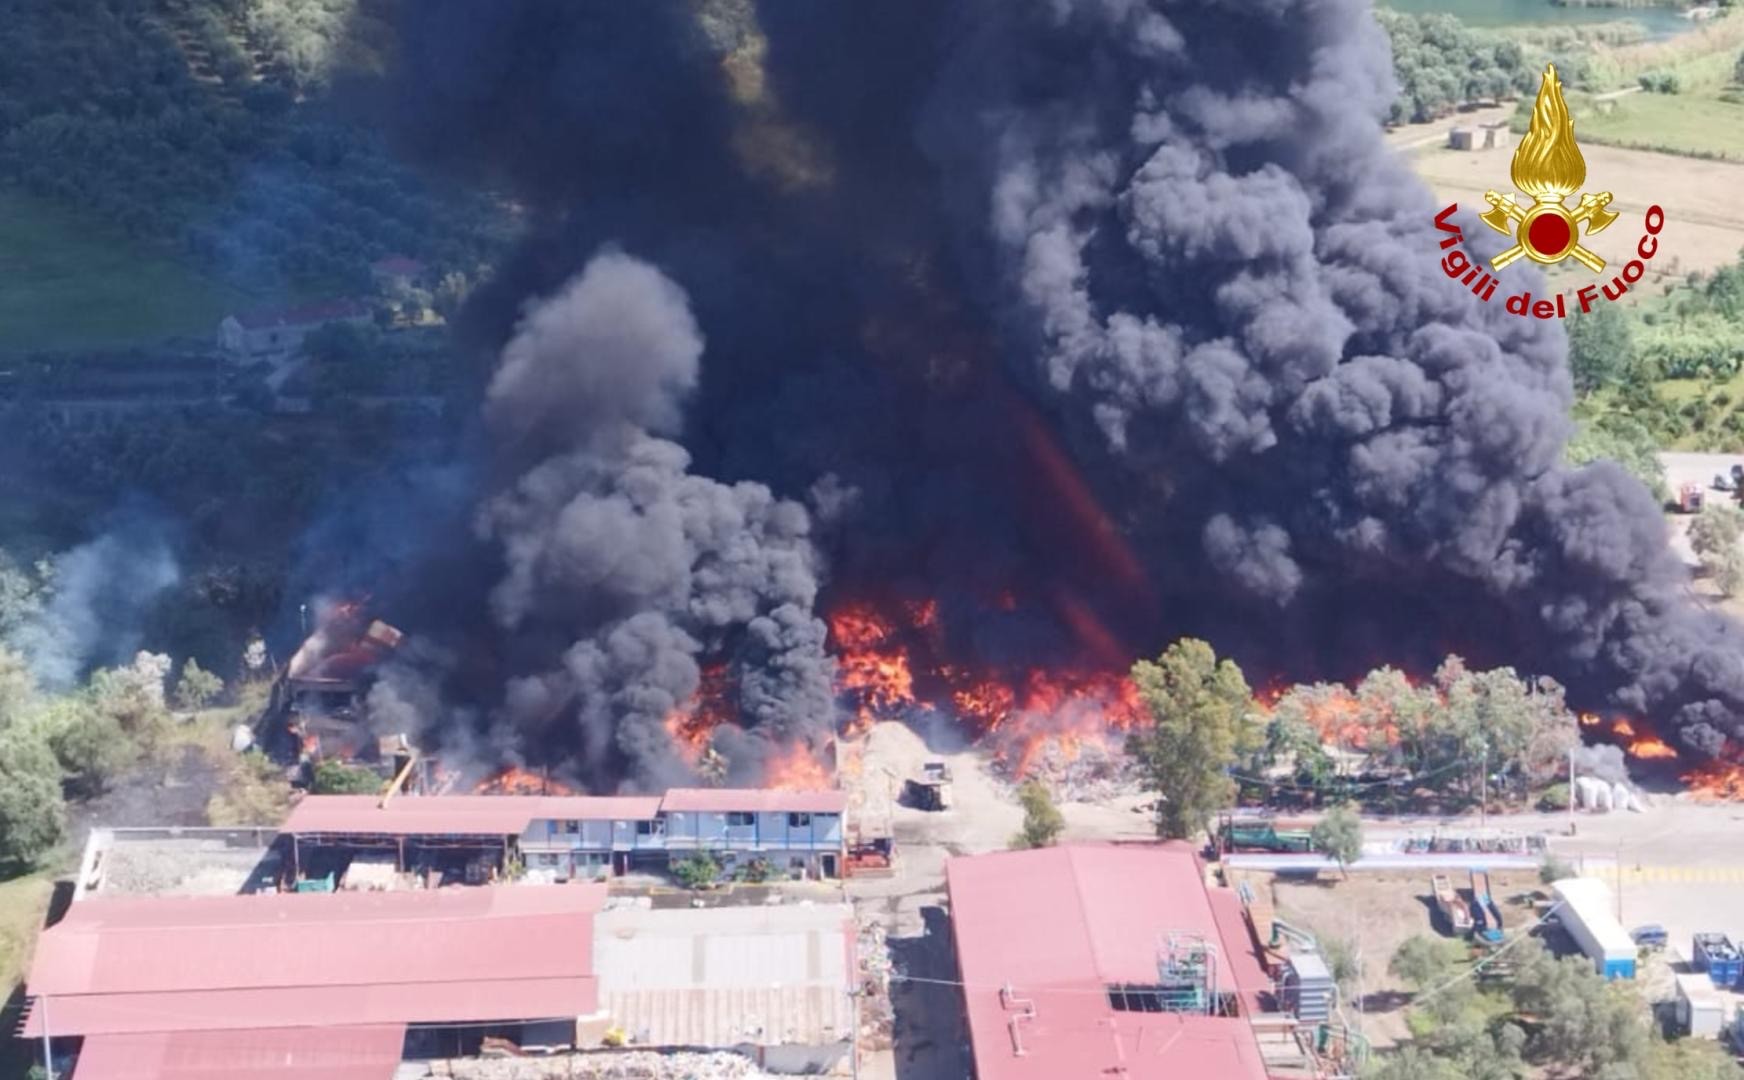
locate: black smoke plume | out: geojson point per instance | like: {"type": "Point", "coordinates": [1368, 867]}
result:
{"type": "Point", "coordinates": [1087, 313]}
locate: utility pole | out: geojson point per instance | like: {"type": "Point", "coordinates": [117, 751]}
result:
{"type": "Point", "coordinates": [1571, 791]}
{"type": "Point", "coordinates": [47, 1061]}
{"type": "Point", "coordinates": [1484, 786]}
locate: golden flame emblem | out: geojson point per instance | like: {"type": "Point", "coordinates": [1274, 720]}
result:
{"type": "Point", "coordinates": [1549, 167]}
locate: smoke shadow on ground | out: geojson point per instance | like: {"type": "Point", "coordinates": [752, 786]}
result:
{"type": "Point", "coordinates": [931, 1037]}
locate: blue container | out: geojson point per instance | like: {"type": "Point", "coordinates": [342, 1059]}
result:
{"type": "Point", "coordinates": [1716, 955]}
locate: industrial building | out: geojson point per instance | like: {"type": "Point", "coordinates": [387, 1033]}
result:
{"type": "Point", "coordinates": [772, 983]}
{"type": "Point", "coordinates": [1107, 960]}
{"type": "Point", "coordinates": [236, 986]}
{"type": "Point", "coordinates": [1587, 914]}
{"type": "Point", "coordinates": [564, 837]}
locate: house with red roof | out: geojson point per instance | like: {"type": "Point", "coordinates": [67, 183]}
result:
{"type": "Point", "coordinates": [1106, 960]}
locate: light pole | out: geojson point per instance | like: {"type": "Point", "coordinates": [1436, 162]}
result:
{"type": "Point", "coordinates": [1484, 785]}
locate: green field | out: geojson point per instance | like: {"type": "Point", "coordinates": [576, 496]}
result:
{"type": "Point", "coordinates": [1676, 123]}
{"type": "Point", "coordinates": [66, 282]}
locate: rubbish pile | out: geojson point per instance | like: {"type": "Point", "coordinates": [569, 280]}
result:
{"type": "Point", "coordinates": [605, 1065]}
{"type": "Point", "coordinates": [1074, 769]}
{"type": "Point", "coordinates": [877, 1015]}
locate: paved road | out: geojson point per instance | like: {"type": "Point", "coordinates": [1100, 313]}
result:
{"type": "Point", "coordinates": [1442, 861]}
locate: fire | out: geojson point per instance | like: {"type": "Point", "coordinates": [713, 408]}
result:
{"type": "Point", "coordinates": [1622, 728]}
{"type": "Point", "coordinates": [798, 770]}
{"type": "Point", "coordinates": [693, 723]}
{"type": "Point", "coordinates": [1719, 780]}
{"type": "Point", "coordinates": [872, 666]}
{"type": "Point", "coordinates": [514, 780]}
{"type": "Point", "coordinates": [889, 664]}
{"type": "Point", "coordinates": [1650, 747]}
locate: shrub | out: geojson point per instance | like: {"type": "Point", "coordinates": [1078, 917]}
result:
{"type": "Point", "coordinates": [1555, 797]}
{"type": "Point", "coordinates": [1042, 822]}
{"type": "Point", "coordinates": [1554, 869]}
{"type": "Point", "coordinates": [338, 778]}
{"type": "Point", "coordinates": [697, 871]}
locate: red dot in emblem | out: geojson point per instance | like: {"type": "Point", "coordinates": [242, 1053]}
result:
{"type": "Point", "coordinates": [1548, 234]}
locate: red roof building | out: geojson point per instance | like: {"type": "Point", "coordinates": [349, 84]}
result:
{"type": "Point", "coordinates": [1043, 936]}
{"type": "Point", "coordinates": [156, 965]}
{"type": "Point", "coordinates": [364, 1052]}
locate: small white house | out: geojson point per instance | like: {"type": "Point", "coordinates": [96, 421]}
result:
{"type": "Point", "coordinates": [275, 334]}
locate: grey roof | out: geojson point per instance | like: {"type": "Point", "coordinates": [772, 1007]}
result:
{"type": "Point", "coordinates": [762, 976]}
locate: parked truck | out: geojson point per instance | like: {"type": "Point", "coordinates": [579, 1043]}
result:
{"type": "Point", "coordinates": [931, 790]}
{"type": "Point", "coordinates": [1454, 914]}
{"type": "Point", "coordinates": [1250, 834]}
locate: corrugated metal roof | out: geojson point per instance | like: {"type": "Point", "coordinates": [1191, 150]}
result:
{"type": "Point", "coordinates": [728, 1017]}
{"type": "Point", "coordinates": [754, 800]}
{"type": "Point", "coordinates": [343, 1053]}
{"type": "Point", "coordinates": [244, 961]}
{"type": "Point", "coordinates": [724, 976]}
{"type": "Point", "coordinates": [1058, 926]}
{"type": "Point", "coordinates": [472, 1001]}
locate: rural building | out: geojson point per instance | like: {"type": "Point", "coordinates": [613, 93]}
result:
{"type": "Point", "coordinates": [275, 334]}
{"type": "Point", "coordinates": [234, 985]}
{"type": "Point", "coordinates": [1106, 960]}
{"type": "Point", "coordinates": [1496, 136]}
{"type": "Point", "coordinates": [563, 837]}
{"type": "Point", "coordinates": [1586, 913]}
{"type": "Point", "coordinates": [772, 983]}
{"type": "Point", "coordinates": [396, 272]}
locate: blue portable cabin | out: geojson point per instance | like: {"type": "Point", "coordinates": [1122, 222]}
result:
{"type": "Point", "coordinates": [1486, 913]}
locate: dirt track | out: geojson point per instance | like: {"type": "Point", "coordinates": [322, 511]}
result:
{"type": "Point", "coordinates": [1703, 200]}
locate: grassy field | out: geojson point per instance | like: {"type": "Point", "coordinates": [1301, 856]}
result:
{"type": "Point", "coordinates": [1676, 123]}
{"type": "Point", "coordinates": [23, 902]}
{"type": "Point", "coordinates": [65, 283]}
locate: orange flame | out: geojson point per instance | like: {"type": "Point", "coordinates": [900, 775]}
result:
{"type": "Point", "coordinates": [514, 780]}
{"type": "Point", "coordinates": [1719, 780]}
{"type": "Point", "coordinates": [798, 770]}
{"type": "Point", "coordinates": [1650, 747]}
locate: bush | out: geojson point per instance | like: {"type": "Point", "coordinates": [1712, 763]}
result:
{"type": "Point", "coordinates": [33, 815]}
{"type": "Point", "coordinates": [1553, 869]}
{"type": "Point", "coordinates": [697, 871]}
{"type": "Point", "coordinates": [1555, 797]}
{"type": "Point", "coordinates": [1042, 822]}
{"type": "Point", "coordinates": [338, 778]}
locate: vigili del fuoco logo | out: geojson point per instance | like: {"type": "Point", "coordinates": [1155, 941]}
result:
{"type": "Point", "coordinates": [1549, 168]}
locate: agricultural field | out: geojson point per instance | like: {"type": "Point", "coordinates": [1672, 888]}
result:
{"type": "Point", "coordinates": [66, 282]}
{"type": "Point", "coordinates": [1700, 126]}
{"type": "Point", "coordinates": [1704, 216]}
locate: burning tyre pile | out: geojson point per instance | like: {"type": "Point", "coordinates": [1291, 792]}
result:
{"type": "Point", "coordinates": [877, 354]}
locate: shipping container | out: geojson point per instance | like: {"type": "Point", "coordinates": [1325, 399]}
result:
{"type": "Point", "coordinates": [1587, 914]}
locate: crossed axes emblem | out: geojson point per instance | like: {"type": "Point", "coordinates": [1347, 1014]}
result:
{"type": "Point", "coordinates": [1548, 232]}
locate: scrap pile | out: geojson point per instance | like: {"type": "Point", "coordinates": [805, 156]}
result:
{"type": "Point", "coordinates": [877, 1016]}
{"type": "Point", "coordinates": [1076, 770]}
{"type": "Point", "coordinates": [605, 1065]}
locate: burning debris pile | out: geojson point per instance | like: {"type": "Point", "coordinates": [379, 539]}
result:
{"type": "Point", "coordinates": [1159, 350]}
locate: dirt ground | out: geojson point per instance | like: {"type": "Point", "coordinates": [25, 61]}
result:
{"type": "Point", "coordinates": [1704, 217]}
{"type": "Point", "coordinates": [1374, 913]}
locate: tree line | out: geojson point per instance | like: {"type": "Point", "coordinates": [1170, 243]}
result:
{"type": "Point", "coordinates": [1208, 738]}
{"type": "Point", "coordinates": [245, 166]}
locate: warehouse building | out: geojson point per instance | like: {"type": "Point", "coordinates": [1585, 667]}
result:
{"type": "Point", "coordinates": [1106, 960]}
{"type": "Point", "coordinates": [561, 838]}
{"type": "Point", "coordinates": [772, 983]}
{"type": "Point", "coordinates": [237, 986]}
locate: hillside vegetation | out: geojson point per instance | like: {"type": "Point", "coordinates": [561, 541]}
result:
{"type": "Point", "coordinates": [201, 130]}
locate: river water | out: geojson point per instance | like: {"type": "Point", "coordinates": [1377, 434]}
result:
{"type": "Point", "coordinates": [1659, 22]}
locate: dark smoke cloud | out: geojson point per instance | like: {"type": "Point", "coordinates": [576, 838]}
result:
{"type": "Point", "coordinates": [939, 248]}
{"type": "Point", "coordinates": [614, 546]}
